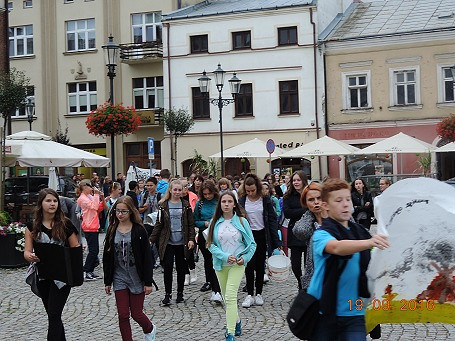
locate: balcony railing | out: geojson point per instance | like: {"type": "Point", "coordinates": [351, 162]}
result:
{"type": "Point", "coordinates": [151, 51]}
{"type": "Point", "coordinates": [151, 116]}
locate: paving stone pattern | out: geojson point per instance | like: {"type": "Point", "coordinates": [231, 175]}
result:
{"type": "Point", "coordinates": [90, 314]}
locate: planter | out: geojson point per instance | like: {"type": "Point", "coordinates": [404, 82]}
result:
{"type": "Point", "coordinates": [9, 256]}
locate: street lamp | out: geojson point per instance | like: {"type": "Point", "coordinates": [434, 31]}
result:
{"type": "Point", "coordinates": [30, 111]}
{"type": "Point", "coordinates": [220, 102]}
{"type": "Point", "coordinates": [111, 55]}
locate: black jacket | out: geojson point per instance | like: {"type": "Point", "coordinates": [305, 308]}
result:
{"type": "Point", "coordinates": [293, 210]}
{"type": "Point", "coordinates": [133, 196]}
{"type": "Point", "coordinates": [270, 223]}
{"type": "Point", "coordinates": [357, 203]}
{"type": "Point", "coordinates": [142, 256]}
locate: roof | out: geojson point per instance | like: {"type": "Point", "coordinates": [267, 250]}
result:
{"type": "Point", "coordinates": [394, 17]}
{"type": "Point", "coordinates": [222, 7]}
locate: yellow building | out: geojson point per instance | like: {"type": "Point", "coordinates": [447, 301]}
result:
{"type": "Point", "coordinates": [388, 71]}
{"type": "Point", "coordinates": [58, 44]}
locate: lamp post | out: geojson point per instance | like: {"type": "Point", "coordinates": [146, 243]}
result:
{"type": "Point", "coordinates": [111, 55]}
{"type": "Point", "coordinates": [30, 111]}
{"type": "Point", "coordinates": [220, 102]}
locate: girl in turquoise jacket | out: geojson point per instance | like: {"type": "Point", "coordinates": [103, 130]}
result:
{"type": "Point", "coordinates": [232, 245]}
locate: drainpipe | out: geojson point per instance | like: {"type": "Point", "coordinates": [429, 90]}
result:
{"type": "Point", "coordinates": [315, 71]}
{"type": "Point", "coordinates": [168, 57]}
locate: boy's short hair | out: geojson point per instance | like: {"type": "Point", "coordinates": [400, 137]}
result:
{"type": "Point", "coordinates": [165, 173]}
{"type": "Point", "coordinates": [332, 185]}
{"type": "Point", "coordinates": [132, 185]}
{"type": "Point", "coordinates": [152, 179]}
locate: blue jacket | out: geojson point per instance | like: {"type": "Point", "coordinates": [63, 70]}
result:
{"type": "Point", "coordinates": [162, 186]}
{"type": "Point", "coordinates": [204, 211]}
{"type": "Point", "coordinates": [247, 236]}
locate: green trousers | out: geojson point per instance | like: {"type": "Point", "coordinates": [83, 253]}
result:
{"type": "Point", "coordinates": [229, 278]}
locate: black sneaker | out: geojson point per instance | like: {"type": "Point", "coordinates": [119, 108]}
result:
{"type": "Point", "coordinates": [179, 298]}
{"type": "Point", "coordinates": [245, 289]}
{"type": "Point", "coordinates": [167, 300]}
{"type": "Point", "coordinates": [206, 287]}
{"type": "Point", "coordinates": [90, 276]}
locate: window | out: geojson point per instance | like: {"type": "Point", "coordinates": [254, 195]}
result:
{"type": "Point", "coordinates": [244, 101]}
{"type": "Point", "coordinates": [10, 5]}
{"type": "Point", "coordinates": [20, 112]}
{"type": "Point", "coordinates": [356, 90]}
{"type": "Point", "coordinates": [68, 1]}
{"type": "Point", "coordinates": [287, 36]}
{"type": "Point", "coordinates": [80, 35]}
{"type": "Point", "coordinates": [82, 97]}
{"type": "Point", "coordinates": [448, 92]}
{"type": "Point", "coordinates": [199, 43]}
{"type": "Point", "coordinates": [21, 41]}
{"type": "Point", "coordinates": [289, 97]}
{"type": "Point", "coordinates": [405, 86]}
{"type": "Point", "coordinates": [148, 92]}
{"type": "Point", "coordinates": [28, 4]}
{"type": "Point", "coordinates": [241, 40]}
{"type": "Point", "coordinates": [146, 27]}
{"type": "Point", "coordinates": [201, 107]}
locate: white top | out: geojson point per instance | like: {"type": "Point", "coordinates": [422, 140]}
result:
{"type": "Point", "coordinates": [230, 239]}
{"type": "Point", "coordinates": [254, 209]}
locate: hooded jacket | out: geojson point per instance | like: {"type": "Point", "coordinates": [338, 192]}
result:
{"type": "Point", "coordinates": [247, 237]}
{"type": "Point", "coordinates": [162, 229]}
{"type": "Point", "coordinates": [162, 186]}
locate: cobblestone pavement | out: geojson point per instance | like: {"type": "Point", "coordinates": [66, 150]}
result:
{"type": "Point", "coordinates": [90, 314]}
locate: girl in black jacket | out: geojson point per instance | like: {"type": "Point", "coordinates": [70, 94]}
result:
{"type": "Point", "coordinates": [264, 225]}
{"type": "Point", "coordinates": [293, 210]}
{"type": "Point", "coordinates": [127, 264]}
{"type": "Point", "coordinates": [362, 202]}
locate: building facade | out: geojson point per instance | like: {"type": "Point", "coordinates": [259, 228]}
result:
{"type": "Point", "coordinates": [272, 47]}
{"type": "Point", "coordinates": [388, 71]}
{"type": "Point", "coordinates": [58, 44]}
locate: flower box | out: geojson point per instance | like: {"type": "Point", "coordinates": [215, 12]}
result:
{"type": "Point", "coordinates": [10, 257]}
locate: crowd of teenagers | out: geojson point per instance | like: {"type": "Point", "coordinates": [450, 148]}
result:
{"type": "Point", "coordinates": [236, 224]}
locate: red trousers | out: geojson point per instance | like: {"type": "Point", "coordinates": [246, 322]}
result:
{"type": "Point", "coordinates": [126, 302]}
{"type": "Point", "coordinates": [284, 236]}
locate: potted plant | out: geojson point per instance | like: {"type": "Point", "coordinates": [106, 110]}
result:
{"type": "Point", "coordinates": [446, 128]}
{"type": "Point", "coordinates": [12, 243]}
{"type": "Point", "coordinates": [109, 119]}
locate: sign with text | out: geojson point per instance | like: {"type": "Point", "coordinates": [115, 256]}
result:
{"type": "Point", "coordinates": [151, 148]}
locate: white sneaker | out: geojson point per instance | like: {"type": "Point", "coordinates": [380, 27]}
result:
{"type": "Point", "coordinates": [193, 276]}
{"type": "Point", "coordinates": [212, 296]}
{"type": "Point", "coordinates": [150, 336]}
{"type": "Point", "coordinates": [248, 302]}
{"type": "Point", "coordinates": [259, 300]}
{"type": "Point", "coordinates": [187, 280]}
{"type": "Point", "coordinates": [217, 298]}
{"type": "Point", "coordinates": [266, 278]}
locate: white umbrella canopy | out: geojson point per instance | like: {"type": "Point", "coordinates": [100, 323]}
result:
{"type": "Point", "coordinates": [449, 147]}
{"type": "Point", "coordinates": [399, 143]}
{"type": "Point", "coordinates": [324, 146]}
{"type": "Point", "coordinates": [252, 148]}
{"type": "Point", "coordinates": [38, 150]}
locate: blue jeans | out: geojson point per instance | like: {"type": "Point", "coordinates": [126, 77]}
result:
{"type": "Point", "coordinates": [93, 250]}
{"type": "Point", "coordinates": [347, 328]}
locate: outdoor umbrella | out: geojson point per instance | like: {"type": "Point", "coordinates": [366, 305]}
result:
{"type": "Point", "coordinates": [399, 143]}
{"type": "Point", "coordinates": [324, 146]}
{"type": "Point", "coordinates": [449, 147]}
{"type": "Point", "coordinates": [252, 148]}
{"type": "Point", "coordinates": [38, 150]}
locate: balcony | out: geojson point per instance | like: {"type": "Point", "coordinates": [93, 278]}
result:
{"type": "Point", "coordinates": [150, 117]}
{"type": "Point", "coordinates": [140, 53]}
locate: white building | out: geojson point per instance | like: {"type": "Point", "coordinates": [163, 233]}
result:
{"type": "Point", "coordinates": [272, 45]}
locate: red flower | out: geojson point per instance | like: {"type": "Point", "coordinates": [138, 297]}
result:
{"type": "Point", "coordinates": [110, 119]}
{"type": "Point", "coordinates": [446, 128]}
